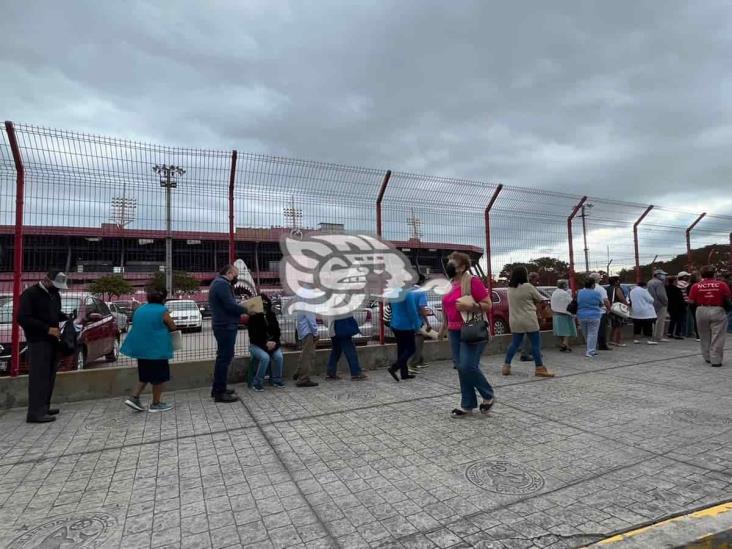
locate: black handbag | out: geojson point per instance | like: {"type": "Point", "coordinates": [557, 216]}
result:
{"type": "Point", "coordinates": [573, 307]}
{"type": "Point", "coordinates": [475, 328]}
{"type": "Point", "coordinates": [68, 340]}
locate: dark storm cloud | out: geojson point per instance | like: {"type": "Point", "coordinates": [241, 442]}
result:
{"type": "Point", "coordinates": [621, 99]}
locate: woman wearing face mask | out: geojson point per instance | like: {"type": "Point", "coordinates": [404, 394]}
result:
{"type": "Point", "coordinates": [468, 296]}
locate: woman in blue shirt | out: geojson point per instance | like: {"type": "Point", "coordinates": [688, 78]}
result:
{"type": "Point", "coordinates": [150, 343]}
{"type": "Point", "coordinates": [589, 313]}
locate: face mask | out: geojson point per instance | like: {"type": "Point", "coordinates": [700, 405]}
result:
{"type": "Point", "coordinates": [662, 277]}
{"type": "Point", "coordinates": [450, 270]}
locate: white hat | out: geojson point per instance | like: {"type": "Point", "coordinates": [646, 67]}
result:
{"type": "Point", "coordinates": [683, 273]}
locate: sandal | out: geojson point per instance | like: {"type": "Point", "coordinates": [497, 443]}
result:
{"type": "Point", "coordinates": [486, 406]}
{"type": "Point", "coordinates": [457, 413]}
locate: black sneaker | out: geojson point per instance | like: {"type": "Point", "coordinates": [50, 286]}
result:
{"type": "Point", "coordinates": [134, 403]}
{"type": "Point", "coordinates": [226, 392]}
{"type": "Point", "coordinates": [716, 365]}
{"type": "Point", "coordinates": [42, 419]}
{"type": "Point", "coordinates": [225, 397]}
{"type": "Point", "coordinates": [306, 383]}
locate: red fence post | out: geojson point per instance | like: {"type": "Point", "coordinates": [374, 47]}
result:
{"type": "Point", "coordinates": [572, 282]}
{"type": "Point", "coordinates": [18, 251]}
{"type": "Point", "coordinates": [488, 251]}
{"type": "Point", "coordinates": [232, 177]}
{"type": "Point", "coordinates": [635, 242]}
{"type": "Point", "coordinates": [688, 240]}
{"type": "Point", "coordinates": [379, 199]}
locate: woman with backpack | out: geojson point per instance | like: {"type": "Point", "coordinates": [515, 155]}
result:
{"type": "Point", "coordinates": [467, 300]}
{"type": "Point", "coordinates": [341, 333]}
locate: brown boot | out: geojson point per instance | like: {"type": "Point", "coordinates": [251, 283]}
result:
{"type": "Point", "coordinates": [541, 371]}
{"type": "Point", "coordinates": [506, 370]}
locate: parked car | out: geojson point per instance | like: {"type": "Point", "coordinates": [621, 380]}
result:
{"type": "Point", "coordinates": [204, 309]}
{"type": "Point", "coordinates": [185, 314]}
{"type": "Point", "coordinates": [123, 321]}
{"type": "Point", "coordinates": [499, 298]}
{"type": "Point", "coordinates": [95, 324]}
{"type": "Point", "coordinates": [128, 308]}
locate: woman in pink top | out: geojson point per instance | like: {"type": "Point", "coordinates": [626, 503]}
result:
{"type": "Point", "coordinates": [466, 356]}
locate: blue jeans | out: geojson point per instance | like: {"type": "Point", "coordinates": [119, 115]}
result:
{"type": "Point", "coordinates": [341, 344]}
{"type": "Point", "coordinates": [467, 358]}
{"type": "Point", "coordinates": [225, 343]}
{"type": "Point", "coordinates": [264, 359]}
{"type": "Point", "coordinates": [516, 340]}
{"type": "Point", "coordinates": [590, 328]}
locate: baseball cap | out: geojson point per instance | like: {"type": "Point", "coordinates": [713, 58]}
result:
{"type": "Point", "coordinates": [59, 279]}
{"type": "Point", "coordinates": [595, 276]}
{"type": "Point", "coordinates": [659, 272]}
{"type": "Point", "coordinates": [683, 273]}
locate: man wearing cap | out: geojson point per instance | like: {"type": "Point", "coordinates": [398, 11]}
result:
{"type": "Point", "coordinates": [711, 297]}
{"type": "Point", "coordinates": [657, 289]}
{"type": "Point", "coordinates": [39, 316]}
{"type": "Point", "coordinates": [602, 330]}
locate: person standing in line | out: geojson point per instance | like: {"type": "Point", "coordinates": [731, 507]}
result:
{"type": "Point", "coordinates": [643, 313]}
{"type": "Point", "coordinates": [657, 289]}
{"type": "Point", "coordinates": [265, 346]}
{"type": "Point", "coordinates": [563, 321]}
{"type": "Point", "coordinates": [616, 321]}
{"type": "Point", "coordinates": [406, 319]}
{"type": "Point", "coordinates": [684, 281]}
{"type": "Point", "coordinates": [523, 299]}
{"type": "Point", "coordinates": [526, 352]}
{"type": "Point", "coordinates": [341, 333]}
{"type": "Point", "coordinates": [39, 315]}
{"type": "Point", "coordinates": [589, 312]}
{"type": "Point", "coordinates": [712, 299]}
{"type": "Point", "coordinates": [417, 361]}
{"type": "Point", "coordinates": [602, 330]}
{"type": "Point", "coordinates": [307, 335]}
{"type": "Point", "coordinates": [468, 296]}
{"type": "Point", "coordinates": [150, 343]}
{"type": "Point", "coordinates": [676, 309]}
{"type": "Point", "coordinates": [225, 315]}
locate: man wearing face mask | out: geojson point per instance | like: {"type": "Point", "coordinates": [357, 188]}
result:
{"type": "Point", "coordinates": [657, 289]}
{"type": "Point", "coordinates": [225, 315]}
{"type": "Point", "coordinates": [39, 316]}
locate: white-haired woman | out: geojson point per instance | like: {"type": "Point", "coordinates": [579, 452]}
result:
{"type": "Point", "coordinates": [562, 320]}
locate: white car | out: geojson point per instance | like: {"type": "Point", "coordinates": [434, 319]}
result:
{"type": "Point", "coordinates": [122, 320]}
{"type": "Point", "coordinates": [186, 314]}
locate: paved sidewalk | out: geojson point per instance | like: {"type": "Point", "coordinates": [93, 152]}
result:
{"type": "Point", "coordinates": [623, 440]}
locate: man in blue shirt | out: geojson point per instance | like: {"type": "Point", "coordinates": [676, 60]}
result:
{"type": "Point", "coordinates": [405, 321]}
{"type": "Point", "coordinates": [417, 360]}
{"type": "Point", "coordinates": [225, 315]}
{"type": "Point", "coordinates": [307, 335]}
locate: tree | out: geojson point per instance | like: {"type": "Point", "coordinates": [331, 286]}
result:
{"type": "Point", "coordinates": [111, 285]}
{"type": "Point", "coordinates": [183, 283]}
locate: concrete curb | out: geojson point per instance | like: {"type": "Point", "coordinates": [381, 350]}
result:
{"type": "Point", "coordinates": [116, 381]}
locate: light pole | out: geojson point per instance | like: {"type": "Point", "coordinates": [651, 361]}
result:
{"type": "Point", "coordinates": [583, 215]}
{"type": "Point", "coordinates": [168, 182]}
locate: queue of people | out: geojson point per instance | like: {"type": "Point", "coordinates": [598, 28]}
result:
{"type": "Point", "coordinates": [707, 301]}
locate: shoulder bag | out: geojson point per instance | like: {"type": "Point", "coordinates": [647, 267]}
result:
{"type": "Point", "coordinates": [475, 326]}
{"type": "Point", "coordinates": [617, 308]}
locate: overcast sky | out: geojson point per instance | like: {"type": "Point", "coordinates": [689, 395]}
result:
{"type": "Point", "coordinates": [624, 99]}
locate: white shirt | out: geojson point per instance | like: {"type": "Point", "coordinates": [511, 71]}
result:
{"type": "Point", "coordinates": [560, 300]}
{"type": "Point", "coordinates": [603, 295]}
{"type": "Point", "coordinates": [641, 304]}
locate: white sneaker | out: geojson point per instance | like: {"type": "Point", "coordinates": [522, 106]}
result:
{"type": "Point", "coordinates": [664, 340]}
{"type": "Point", "coordinates": [636, 341]}
{"type": "Point", "coordinates": [652, 342]}
{"type": "Point", "coordinates": [698, 339]}
{"type": "Point", "coordinates": [620, 345]}
{"type": "Point", "coordinates": [589, 355]}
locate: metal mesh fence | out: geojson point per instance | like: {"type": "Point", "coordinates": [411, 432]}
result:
{"type": "Point", "coordinates": [97, 207]}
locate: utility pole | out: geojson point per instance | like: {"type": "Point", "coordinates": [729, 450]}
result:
{"type": "Point", "coordinates": [123, 214]}
{"type": "Point", "coordinates": [168, 182]}
{"type": "Point", "coordinates": [294, 216]}
{"type": "Point", "coordinates": [585, 207]}
{"type": "Point", "coordinates": [416, 224]}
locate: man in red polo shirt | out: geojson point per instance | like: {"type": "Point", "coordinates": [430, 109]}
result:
{"type": "Point", "coordinates": [711, 296]}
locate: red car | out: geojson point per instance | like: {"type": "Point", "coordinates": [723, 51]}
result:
{"type": "Point", "coordinates": [96, 326]}
{"type": "Point", "coordinates": [499, 297]}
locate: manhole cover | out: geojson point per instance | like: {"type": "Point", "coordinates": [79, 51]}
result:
{"type": "Point", "coordinates": [84, 531]}
{"type": "Point", "coordinates": [355, 395]}
{"type": "Point", "coordinates": [698, 417]}
{"type": "Point", "coordinates": [504, 477]}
